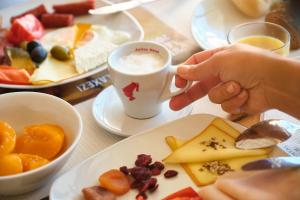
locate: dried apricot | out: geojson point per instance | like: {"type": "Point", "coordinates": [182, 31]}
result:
{"type": "Point", "coordinates": [45, 140]}
{"type": "Point", "coordinates": [115, 181]}
{"type": "Point", "coordinates": [10, 164]}
{"type": "Point", "coordinates": [7, 138]}
{"type": "Point", "coordinates": [31, 162]}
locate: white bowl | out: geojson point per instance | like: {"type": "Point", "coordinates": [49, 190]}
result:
{"type": "Point", "coordinates": [20, 109]}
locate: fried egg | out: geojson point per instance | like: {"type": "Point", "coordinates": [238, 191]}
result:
{"type": "Point", "coordinates": [92, 53]}
{"type": "Point", "coordinates": [62, 36]}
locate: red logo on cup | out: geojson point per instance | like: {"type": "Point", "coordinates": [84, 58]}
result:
{"type": "Point", "coordinates": [129, 90]}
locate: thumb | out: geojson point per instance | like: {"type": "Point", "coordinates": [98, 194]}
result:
{"type": "Point", "coordinates": [199, 72]}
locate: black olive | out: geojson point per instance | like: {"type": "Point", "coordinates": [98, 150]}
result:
{"type": "Point", "coordinates": [31, 45]}
{"type": "Point", "coordinates": [38, 54]}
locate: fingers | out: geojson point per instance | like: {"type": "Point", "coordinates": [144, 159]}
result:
{"type": "Point", "coordinates": [224, 92]}
{"type": "Point", "coordinates": [197, 91]}
{"type": "Point", "coordinates": [180, 82]}
{"type": "Point", "coordinates": [212, 193]}
{"type": "Point", "coordinates": [200, 66]}
{"type": "Point", "coordinates": [198, 72]}
{"type": "Point", "coordinates": [195, 59]}
{"type": "Point", "coordinates": [230, 96]}
{"type": "Point", "coordinates": [202, 56]}
{"type": "Point", "coordinates": [240, 189]}
{"type": "Point", "coordinates": [235, 104]}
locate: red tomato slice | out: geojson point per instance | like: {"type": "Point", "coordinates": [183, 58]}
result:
{"type": "Point", "coordinates": [184, 194]}
{"type": "Point", "coordinates": [26, 28]}
{"type": "Point", "coordinates": [13, 75]}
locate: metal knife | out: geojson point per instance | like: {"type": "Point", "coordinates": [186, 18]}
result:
{"type": "Point", "coordinates": [118, 7]}
{"type": "Point", "coordinates": [272, 163]}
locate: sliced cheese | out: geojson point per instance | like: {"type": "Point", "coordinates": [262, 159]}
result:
{"type": "Point", "coordinates": [52, 70]}
{"type": "Point", "coordinates": [225, 127]}
{"type": "Point", "coordinates": [211, 144]}
{"type": "Point", "coordinates": [198, 173]}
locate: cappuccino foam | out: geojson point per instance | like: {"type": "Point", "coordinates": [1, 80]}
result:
{"type": "Point", "coordinates": [141, 62]}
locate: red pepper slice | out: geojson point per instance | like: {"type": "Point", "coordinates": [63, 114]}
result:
{"type": "Point", "coordinates": [184, 194]}
{"type": "Point", "coordinates": [12, 75]}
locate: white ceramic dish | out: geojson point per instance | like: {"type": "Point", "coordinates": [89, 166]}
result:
{"type": "Point", "coordinates": [212, 20]}
{"type": "Point", "coordinates": [109, 114]}
{"type": "Point", "coordinates": [69, 185]}
{"type": "Point", "coordinates": [21, 109]}
{"type": "Point", "coordinates": [120, 21]}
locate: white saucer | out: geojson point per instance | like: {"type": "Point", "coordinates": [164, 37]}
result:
{"type": "Point", "coordinates": [109, 114]}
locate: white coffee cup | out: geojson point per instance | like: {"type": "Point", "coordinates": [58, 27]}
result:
{"type": "Point", "coordinates": [141, 83]}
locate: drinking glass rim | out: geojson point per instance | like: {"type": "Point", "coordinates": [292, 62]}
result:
{"type": "Point", "coordinates": [269, 23]}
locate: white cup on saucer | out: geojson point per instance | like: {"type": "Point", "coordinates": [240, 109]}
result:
{"type": "Point", "coordinates": [142, 75]}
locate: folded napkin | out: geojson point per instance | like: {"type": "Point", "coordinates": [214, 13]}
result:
{"type": "Point", "coordinates": [277, 184]}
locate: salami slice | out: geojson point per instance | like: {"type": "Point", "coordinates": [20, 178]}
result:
{"type": "Point", "coordinates": [57, 20]}
{"type": "Point", "coordinates": [80, 8]}
{"type": "Point", "coordinates": [97, 193]}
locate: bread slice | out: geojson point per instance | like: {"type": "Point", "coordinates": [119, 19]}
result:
{"type": "Point", "coordinates": [209, 145]}
{"type": "Point", "coordinates": [199, 173]}
{"type": "Point", "coordinates": [253, 8]}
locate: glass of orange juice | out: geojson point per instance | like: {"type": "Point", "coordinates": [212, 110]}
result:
{"type": "Point", "coordinates": [261, 34]}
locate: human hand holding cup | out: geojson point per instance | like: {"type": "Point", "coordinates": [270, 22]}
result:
{"type": "Point", "coordinates": [142, 75]}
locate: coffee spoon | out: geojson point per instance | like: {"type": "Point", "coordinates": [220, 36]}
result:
{"type": "Point", "coordinates": [266, 134]}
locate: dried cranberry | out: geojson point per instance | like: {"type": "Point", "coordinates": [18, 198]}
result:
{"type": "Point", "coordinates": [153, 189]}
{"type": "Point", "coordinates": [152, 182]}
{"type": "Point", "coordinates": [124, 169]}
{"type": "Point", "coordinates": [144, 188]}
{"type": "Point", "coordinates": [157, 165]}
{"type": "Point", "coordinates": [140, 173]}
{"type": "Point", "coordinates": [140, 176]}
{"type": "Point", "coordinates": [143, 160]}
{"type": "Point", "coordinates": [170, 173]}
{"type": "Point", "coordinates": [136, 184]}
{"type": "Point", "coordinates": [155, 171]}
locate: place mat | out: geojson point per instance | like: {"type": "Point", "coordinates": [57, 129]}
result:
{"type": "Point", "coordinates": [180, 46]}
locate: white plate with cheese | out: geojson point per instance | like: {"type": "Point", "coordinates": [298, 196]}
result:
{"type": "Point", "coordinates": [212, 20]}
{"type": "Point", "coordinates": [109, 26]}
{"type": "Point", "coordinates": [152, 142]}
